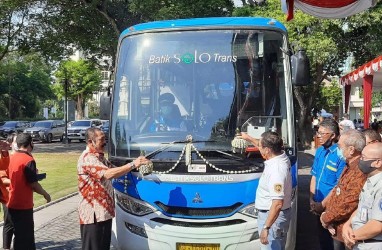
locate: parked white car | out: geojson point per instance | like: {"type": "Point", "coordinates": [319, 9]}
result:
{"type": "Point", "coordinates": [78, 128]}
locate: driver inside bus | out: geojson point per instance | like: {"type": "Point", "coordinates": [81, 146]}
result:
{"type": "Point", "coordinates": [169, 118]}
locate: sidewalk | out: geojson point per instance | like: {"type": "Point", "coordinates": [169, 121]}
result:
{"type": "Point", "coordinates": [56, 225]}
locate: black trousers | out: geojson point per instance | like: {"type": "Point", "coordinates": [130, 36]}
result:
{"type": "Point", "coordinates": [23, 228]}
{"type": "Point", "coordinates": [7, 229]}
{"type": "Point", "coordinates": [96, 236]}
{"type": "Point", "coordinates": [326, 240]}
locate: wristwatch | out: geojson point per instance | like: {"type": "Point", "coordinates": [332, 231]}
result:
{"type": "Point", "coordinates": [266, 228]}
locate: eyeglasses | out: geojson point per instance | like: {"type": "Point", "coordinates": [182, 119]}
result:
{"type": "Point", "coordinates": [370, 142]}
{"type": "Point", "coordinates": [318, 133]}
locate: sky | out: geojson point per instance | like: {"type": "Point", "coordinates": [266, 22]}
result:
{"type": "Point", "coordinates": [237, 3]}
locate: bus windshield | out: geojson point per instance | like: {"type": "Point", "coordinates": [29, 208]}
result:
{"type": "Point", "coordinates": [207, 84]}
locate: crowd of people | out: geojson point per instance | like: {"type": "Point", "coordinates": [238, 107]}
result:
{"type": "Point", "coordinates": [345, 189]}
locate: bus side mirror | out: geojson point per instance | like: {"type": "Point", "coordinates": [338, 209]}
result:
{"type": "Point", "coordinates": [300, 68]}
{"type": "Point", "coordinates": [105, 105]}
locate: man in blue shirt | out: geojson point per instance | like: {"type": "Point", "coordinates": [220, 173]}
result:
{"type": "Point", "coordinates": [326, 171]}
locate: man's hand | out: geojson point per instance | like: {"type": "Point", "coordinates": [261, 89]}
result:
{"type": "Point", "coordinates": [264, 237]}
{"type": "Point", "coordinates": [324, 225]}
{"type": "Point", "coordinates": [312, 205]}
{"type": "Point", "coordinates": [332, 230]}
{"type": "Point", "coordinates": [47, 197]}
{"type": "Point", "coordinates": [141, 160]}
{"type": "Point", "coordinates": [348, 235]}
{"type": "Point", "coordinates": [316, 207]}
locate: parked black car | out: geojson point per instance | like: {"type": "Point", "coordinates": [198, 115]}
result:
{"type": "Point", "coordinates": [10, 127]}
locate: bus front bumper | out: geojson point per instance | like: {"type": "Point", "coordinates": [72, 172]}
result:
{"type": "Point", "coordinates": [132, 232]}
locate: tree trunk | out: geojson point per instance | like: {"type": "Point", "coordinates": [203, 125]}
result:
{"type": "Point", "coordinates": [304, 125]}
{"type": "Point", "coordinates": [80, 110]}
{"type": "Point", "coordinates": [305, 97]}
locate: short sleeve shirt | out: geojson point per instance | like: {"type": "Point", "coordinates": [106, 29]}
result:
{"type": "Point", "coordinates": [327, 168]}
{"type": "Point", "coordinates": [96, 192]}
{"type": "Point", "coordinates": [275, 183]}
{"type": "Point", "coordinates": [370, 203]}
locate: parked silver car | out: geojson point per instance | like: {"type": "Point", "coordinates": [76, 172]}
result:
{"type": "Point", "coordinates": [78, 128]}
{"type": "Point", "coordinates": [47, 130]}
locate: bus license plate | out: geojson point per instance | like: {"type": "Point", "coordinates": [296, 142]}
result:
{"type": "Point", "coordinates": [197, 246]}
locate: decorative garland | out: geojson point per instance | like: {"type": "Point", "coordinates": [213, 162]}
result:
{"type": "Point", "coordinates": [188, 150]}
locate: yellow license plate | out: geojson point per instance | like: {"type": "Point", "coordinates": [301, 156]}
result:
{"type": "Point", "coordinates": [197, 246]}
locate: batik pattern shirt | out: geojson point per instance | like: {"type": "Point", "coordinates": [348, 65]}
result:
{"type": "Point", "coordinates": [96, 192]}
{"type": "Point", "coordinates": [343, 200]}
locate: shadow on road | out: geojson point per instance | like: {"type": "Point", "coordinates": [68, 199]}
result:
{"type": "Point", "coordinates": [306, 237]}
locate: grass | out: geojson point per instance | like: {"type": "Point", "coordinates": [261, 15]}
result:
{"type": "Point", "coordinates": [61, 174]}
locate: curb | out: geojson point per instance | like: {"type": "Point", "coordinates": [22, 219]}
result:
{"type": "Point", "coordinates": [49, 204]}
{"type": "Point", "coordinates": [54, 202]}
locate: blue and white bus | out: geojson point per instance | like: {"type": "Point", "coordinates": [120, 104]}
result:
{"type": "Point", "coordinates": [220, 75]}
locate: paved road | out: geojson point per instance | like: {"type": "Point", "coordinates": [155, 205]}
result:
{"type": "Point", "coordinates": [56, 226]}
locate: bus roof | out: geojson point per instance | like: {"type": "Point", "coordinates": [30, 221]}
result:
{"type": "Point", "coordinates": [205, 22]}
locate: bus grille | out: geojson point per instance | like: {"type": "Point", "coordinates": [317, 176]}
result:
{"type": "Point", "coordinates": [196, 224]}
{"type": "Point", "coordinates": [203, 212]}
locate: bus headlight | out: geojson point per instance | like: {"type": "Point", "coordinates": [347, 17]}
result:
{"type": "Point", "coordinates": [250, 210]}
{"type": "Point", "coordinates": [133, 206]}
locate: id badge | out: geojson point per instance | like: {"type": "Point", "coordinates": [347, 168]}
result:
{"type": "Point", "coordinates": [363, 214]}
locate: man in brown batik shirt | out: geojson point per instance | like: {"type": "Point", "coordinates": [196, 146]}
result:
{"type": "Point", "coordinates": [343, 199]}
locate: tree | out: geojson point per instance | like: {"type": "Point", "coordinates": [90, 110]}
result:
{"type": "Point", "coordinates": [16, 25]}
{"type": "Point", "coordinates": [329, 97]}
{"type": "Point", "coordinates": [95, 25]}
{"type": "Point", "coordinates": [324, 42]}
{"type": "Point", "coordinates": [83, 80]}
{"type": "Point", "coordinates": [24, 85]}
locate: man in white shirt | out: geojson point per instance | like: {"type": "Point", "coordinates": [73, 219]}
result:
{"type": "Point", "coordinates": [274, 193]}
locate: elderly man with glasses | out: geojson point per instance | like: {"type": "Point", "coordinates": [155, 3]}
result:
{"type": "Point", "coordinates": [343, 199]}
{"type": "Point", "coordinates": [326, 171]}
{"type": "Point", "coordinates": [364, 228]}
{"type": "Point", "coordinates": [371, 136]}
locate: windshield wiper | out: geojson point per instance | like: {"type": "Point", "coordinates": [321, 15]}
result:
{"type": "Point", "coordinates": [230, 155]}
{"type": "Point", "coordinates": [169, 144]}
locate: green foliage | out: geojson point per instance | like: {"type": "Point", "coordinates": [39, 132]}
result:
{"type": "Point", "coordinates": [95, 25]}
{"type": "Point", "coordinates": [93, 109]}
{"type": "Point", "coordinates": [376, 100]}
{"type": "Point", "coordinates": [83, 79]}
{"type": "Point", "coordinates": [330, 97]}
{"type": "Point", "coordinates": [24, 86]}
{"type": "Point", "coordinates": [328, 43]}
{"type": "Point", "coordinates": [363, 33]}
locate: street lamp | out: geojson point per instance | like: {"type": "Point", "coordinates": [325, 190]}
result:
{"type": "Point", "coordinates": [66, 111]}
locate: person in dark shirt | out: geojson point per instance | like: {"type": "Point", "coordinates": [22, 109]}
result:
{"type": "Point", "coordinates": [374, 125]}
